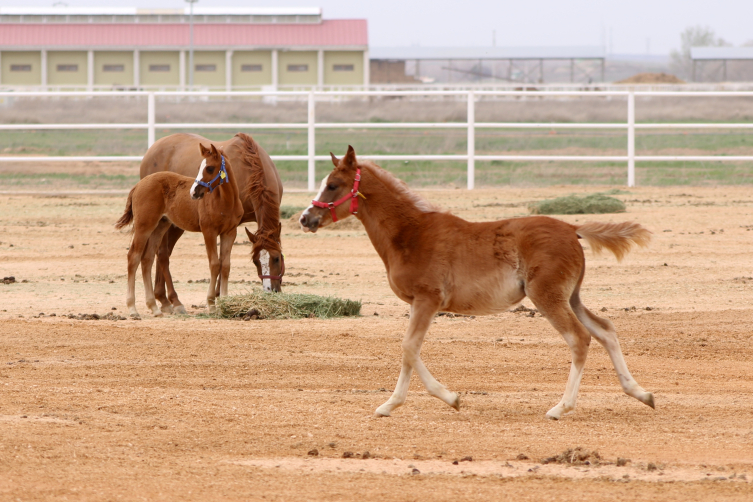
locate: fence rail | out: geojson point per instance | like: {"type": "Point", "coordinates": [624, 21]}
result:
{"type": "Point", "coordinates": [470, 125]}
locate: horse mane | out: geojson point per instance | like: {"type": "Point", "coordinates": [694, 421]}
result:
{"type": "Point", "coordinates": [256, 189]}
{"type": "Point", "coordinates": [400, 188]}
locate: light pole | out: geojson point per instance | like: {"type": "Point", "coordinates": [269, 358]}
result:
{"type": "Point", "coordinates": [190, 43]}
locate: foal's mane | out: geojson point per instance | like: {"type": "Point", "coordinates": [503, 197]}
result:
{"type": "Point", "coordinates": [256, 189]}
{"type": "Point", "coordinates": [399, 188]}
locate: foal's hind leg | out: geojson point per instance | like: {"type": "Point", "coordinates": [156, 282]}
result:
{"type": "Point", "coordinates": [226, 246]}
{"type": "Point", "coordinates": [557, 311]}
{"type": "Point", "coordinates": [163, 281]}
{"type": "Point", "coordinates": [603, 331]}
{"type": "Point", "coordinates": [422, 312]}
{"type": "Point", "coordinates": [147, 260]}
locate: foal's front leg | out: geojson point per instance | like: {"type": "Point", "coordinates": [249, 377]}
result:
{"type": "Point", "coordinates": [226, 246]}
{"type": "Point", "coordinates": [422, 312]}
{"type": "Point", "coordinates": [210, 241]}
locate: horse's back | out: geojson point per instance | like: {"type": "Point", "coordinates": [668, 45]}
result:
{"type": "Point", "coordinates": [178, 153]}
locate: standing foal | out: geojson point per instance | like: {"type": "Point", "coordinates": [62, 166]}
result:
{"type": "Point", "coordinates": [436, 261]}
{"type": "Point", "coordinates": [165, 198]}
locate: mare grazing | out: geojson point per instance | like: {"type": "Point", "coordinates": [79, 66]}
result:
{"type": "Point", "coordinates": [260, 193]}
{"type": "Point", "coordinates": [164, 199]}
{"type": "Point", "coordinates": [436, 261]}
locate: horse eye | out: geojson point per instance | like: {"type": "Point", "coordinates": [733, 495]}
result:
{"type": "Point", "coordinates": [276, 260]}
{"type": "Point", "coordinates": [332, 186]}
{"type": "Point", "coordinates": [210, 170]}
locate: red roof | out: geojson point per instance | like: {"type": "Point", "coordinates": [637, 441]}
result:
{"type": "Point", "coordinates": [339, 32]}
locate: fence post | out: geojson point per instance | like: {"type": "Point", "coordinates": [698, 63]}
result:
{"type": "Point", "coordinates": [312, 143]}
{"type": "Point", "coordinates": [150, 119]}
{"type": "Point", "coordinates": [471, 140]}
{"type": "Point", "coordinates": [631, 139]}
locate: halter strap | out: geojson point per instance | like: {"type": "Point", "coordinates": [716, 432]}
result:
{"type": "Point", "coordinates": [222, 175]}
{"type": "Point", "coordinates": [353, 196]}
{"type": "Point", "coordinates": [276, 277]}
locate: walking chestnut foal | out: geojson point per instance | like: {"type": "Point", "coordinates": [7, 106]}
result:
{"type": "Point", "coordinates": [166, 198]}
{"type": "Point", "coordinates": [436, 261]}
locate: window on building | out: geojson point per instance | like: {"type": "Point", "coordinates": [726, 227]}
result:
{"type": "Point", "coordinates": [251, 67]}
{"type": "Point", "coordinates": [20, 67]}
{"type": "Point", "coordinates": [206, 67]}
{"type": "Point", "coordinates": [67, 67]}
{"type": "Point", "coordinates": [113, 67]}
{"type": "Point", "coordinates": [159, 67]}
{"type": "Point", "coordinates": [298, 67]}
{"type": "Point", "coordinates": [343, 67]}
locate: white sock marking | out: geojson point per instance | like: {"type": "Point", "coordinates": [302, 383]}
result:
{"type": "Point", "coordinates": [264, 259]}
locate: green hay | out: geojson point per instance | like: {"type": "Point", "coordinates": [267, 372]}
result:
{"type": "Point", "coordinates": [572, 204]}
{"type": "Point", "coordinates": [286, 306]}
{"type": "Point", "coordinates": [288, 211]}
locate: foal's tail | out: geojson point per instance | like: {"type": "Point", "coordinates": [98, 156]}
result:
{"type": "Point", "coordinates": [127, 217]}
{"type": "Point", "coordinates": [616, 237]}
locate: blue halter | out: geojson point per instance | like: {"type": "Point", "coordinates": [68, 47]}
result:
{"type": "Point", "coordinates": [222, 176]}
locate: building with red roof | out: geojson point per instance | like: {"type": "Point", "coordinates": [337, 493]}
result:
{"type": "Point", "coordinates": [233, 48]}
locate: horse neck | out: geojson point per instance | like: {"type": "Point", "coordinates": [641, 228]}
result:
{"type": "Point", "coordinates": [229, 191]}
{"type": "Point", "coordinates": [386, 213]}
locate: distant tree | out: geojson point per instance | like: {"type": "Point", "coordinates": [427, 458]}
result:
{"type": "Point", "coordinates": [693, 36]}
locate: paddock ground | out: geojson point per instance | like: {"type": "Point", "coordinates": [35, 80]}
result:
{"type": "Point", "coordinates": [189, 408]}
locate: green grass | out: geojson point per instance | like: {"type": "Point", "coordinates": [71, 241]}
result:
{"type": "Point", "coordinates": [428, 141]}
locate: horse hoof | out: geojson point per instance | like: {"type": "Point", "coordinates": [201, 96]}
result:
{"type": "Point", "coordinates": [382, 411]}
{"type": "Point", "coordinates": [135, 317]}
{"type": "Point", "coordinates": [555, 413]}
{"type": "Point", "coordinates": [552, 417]}
{"type": "Point", "coordinates": [158, 314]}
{"type": "Point", "coordinates": [648, 400]}
{"type": "Point", "coordinates": [166, 309]}
{"type": "Point", "coordinates": [456, 403]}
{"type": "Point", "coordinates": [180, 310]}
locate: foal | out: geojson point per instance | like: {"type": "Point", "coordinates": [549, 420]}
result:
{"type": "Point", "coordinates": [164, 199]}
{"type": "Point", "coordinates": [437, 261]}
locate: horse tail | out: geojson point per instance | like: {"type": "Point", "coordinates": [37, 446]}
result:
{"type": "Point", "coordinates": [615, 237]}
{"type": "Point", "coordinates": [127, 217]}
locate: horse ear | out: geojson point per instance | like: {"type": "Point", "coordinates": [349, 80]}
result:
{"type": "Point", "coordinates": [214, 150]}
{"type": "Point", "coordinates": [335, 160]}
{"type": "Point", "coordinates": [251, 236]}
{"type": "Point", "coordinates": [204, 150]}
{"type": "Point", "coordinates": [279, 230]}
{"type": "Point", "coordinates": [350, 158]}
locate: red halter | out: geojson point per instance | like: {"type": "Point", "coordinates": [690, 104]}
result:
{"type": "Point", "coordinates": [276, 277]}
{"type": "Point", "coordinates": [353, 196]}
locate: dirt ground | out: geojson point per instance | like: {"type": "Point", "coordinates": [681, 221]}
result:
{"type": "Point", "coordinates": [190, 408]}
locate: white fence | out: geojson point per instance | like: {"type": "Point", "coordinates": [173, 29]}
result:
{"type": "Point", "coordinates": [311, 125]}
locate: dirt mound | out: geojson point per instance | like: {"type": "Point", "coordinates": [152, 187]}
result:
{"type": "Point", "coordinates": [651, 78]}
{"type": "Point", "coordinates": [575, 456]}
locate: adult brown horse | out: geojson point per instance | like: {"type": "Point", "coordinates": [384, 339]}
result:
{"type": "Point", "coordinates": [167, 199]}
{"type": "Point", "coordinates": [437, 261]}
{"type": "Point", "coordinates": [260, 193]}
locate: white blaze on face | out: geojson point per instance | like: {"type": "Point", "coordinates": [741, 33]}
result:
{"type": "Point", "coordinates": [199, 176]}
{"type": "Point", "coordinates": [322, 187]}
{"type": "Point", "coordinates": [264, 260]}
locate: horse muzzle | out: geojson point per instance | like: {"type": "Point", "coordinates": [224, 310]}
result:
{"type": "Point", "coordinates": [198, 192]}
{"type": "Point", "coordinates": [309, 222]}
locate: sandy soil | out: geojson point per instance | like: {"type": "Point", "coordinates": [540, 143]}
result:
{"type": "Point", "coordinates": [187, 408]}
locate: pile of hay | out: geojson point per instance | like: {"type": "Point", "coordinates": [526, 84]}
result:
{"type": "Point", "coordinates": [264, 305]}
{"type": "Point", "coordinates": [597, 203]}
{"type": "Point", "coordinates": [652, 78]}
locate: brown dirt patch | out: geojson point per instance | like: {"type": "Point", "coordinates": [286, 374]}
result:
{"type": "Point", "coordinates": [201, 409]}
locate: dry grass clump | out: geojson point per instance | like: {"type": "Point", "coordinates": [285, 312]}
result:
{"type": "Point", "coordinates": [597, 203]}
{"type": "Point", "coordinates": [262, 305]}
{"type": "Point", "coordinates": [575, 456]}
{"type": "Point", "coordinates": [652, 78]}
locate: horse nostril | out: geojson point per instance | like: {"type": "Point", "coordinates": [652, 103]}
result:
{"type": "Point", "coordinates": [303, 220]}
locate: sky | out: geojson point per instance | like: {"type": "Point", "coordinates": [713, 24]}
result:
{"type": "Point", "coordinates": [623, 27]}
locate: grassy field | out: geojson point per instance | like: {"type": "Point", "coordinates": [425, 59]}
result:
{"type": "Point", "coordinates": [404, 141]}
